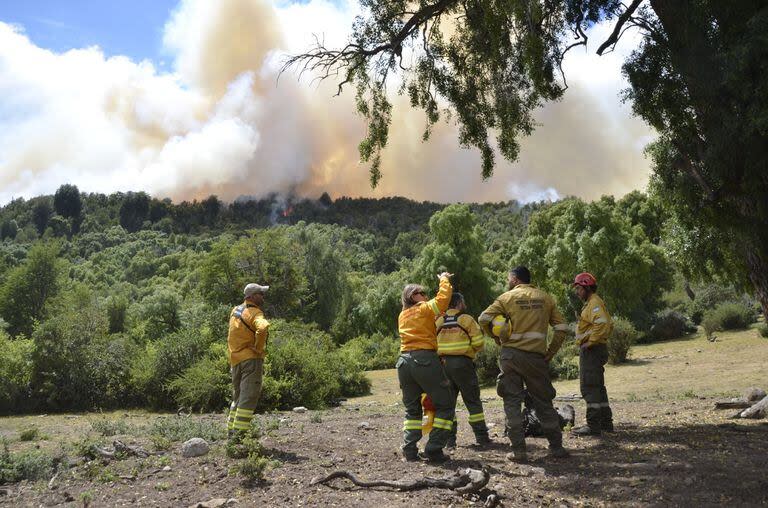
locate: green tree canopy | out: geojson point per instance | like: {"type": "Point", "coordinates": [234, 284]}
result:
{"type": "Point", "coordinates": [67, 202]}
{"type": "Point", "coordinates": [572, 237]}
{"type": "Point", "coordinates": [29, 286]}
{"type": "Point", "coordinates": [455, 247]}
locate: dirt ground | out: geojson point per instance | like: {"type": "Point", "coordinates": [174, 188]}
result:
{"type": "Point", "coordinates": [670, 448]}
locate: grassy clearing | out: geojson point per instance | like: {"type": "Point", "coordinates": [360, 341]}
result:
{"type": "Point", "coordinates": [677, 369]}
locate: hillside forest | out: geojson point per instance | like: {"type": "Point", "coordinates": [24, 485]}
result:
{"type": "Point", "coordinates": [122, 300]}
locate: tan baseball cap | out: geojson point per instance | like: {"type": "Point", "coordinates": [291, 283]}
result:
{"type": "Point", "coordinates": [253, 288]}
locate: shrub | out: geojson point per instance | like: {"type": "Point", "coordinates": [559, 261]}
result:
{"type": "Point", "coordinates": [668, 325]}
{"type": "Point", "coordinates": [66, 371]}
{"type": "Point", "coordinates": [27, 465]}
{"type": "Point", "coordinates": [206, 385]}
{"type": "Point", "coordinates": [373, 352]}
{"type": "Point", "coordinates": [303, 368]}
{"type": "Point", "coordinates": [622, 339]}
{"type": "Point", "coordinates": [565, 364]}
{"type": "Point", "coordinates": [763, 329]}
{"type": "Point", "coordinates": [487, 363]}
{"type": "Point", "coordinates": [164, 360]}
{"type": "Point", "coordinates": [29, 434]}
{"type": "Point", "coordinates": [254, 467]}
{"type": "Point", "coordinates": [15, 373]}
{"type": "Point", "coordinates": [728, 316]}
{"type": "Point", "coordinates": [709, 297]}
{"type": "Point", "coordinates": [182, 428]}
{"type": "Point", "coordinates": [107, 427]}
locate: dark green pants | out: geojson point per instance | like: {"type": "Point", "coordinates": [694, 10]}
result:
{"type": "Point", "coordinates": [462, 374]}
{"type": "Point", "coordinates": [592, 383]}
{"type": "Point", "coordinates": [521, 370]}
{"type": "Point", "coordinates": [421, 372]}
{"type": "Point", "coordinates": [246, 383]}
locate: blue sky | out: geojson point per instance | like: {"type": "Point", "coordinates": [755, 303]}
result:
{"type": "Point", "coordinates": [119, 27]}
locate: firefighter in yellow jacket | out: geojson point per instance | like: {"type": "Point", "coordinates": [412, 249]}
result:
{"type": "Point", "coordinates": [592, 332]}
{"type": "Point", "coordinates": [419, 370]}
{"type": "Point", "coordinates": [246, 349]}
{"type": "Point", "coordinates": [458, 339]}
{"type": "Point", "coordinates": [524, 358]}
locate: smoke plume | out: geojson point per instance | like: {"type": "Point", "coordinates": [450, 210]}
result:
{"type": "Point", "coordinates": [220, 122]}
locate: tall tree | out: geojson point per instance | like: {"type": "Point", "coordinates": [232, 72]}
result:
{"type": "Point", "coordinates": [699, 77]}
{"type": "Point", "coordinates": [455, 247]}
{"type": "Point", "coordinates": [41, 214]}
{"type": "Point", "coordinates": [134, 211]}
{"type": "Point", "coordinates": [28, 287]}
{"type": "Point", "coordinates": [67, 202]}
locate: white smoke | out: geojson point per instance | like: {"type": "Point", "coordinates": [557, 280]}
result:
{"type": "Point", "coordinates": [220, 123]}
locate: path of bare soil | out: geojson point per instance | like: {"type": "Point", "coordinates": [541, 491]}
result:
{"type": "Point", "coordinates": [670, 448]}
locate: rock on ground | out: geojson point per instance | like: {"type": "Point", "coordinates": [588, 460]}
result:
{"type": "Point", "coordinates": [195, 447]}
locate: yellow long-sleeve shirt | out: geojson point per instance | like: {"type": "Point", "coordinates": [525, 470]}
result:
{"type": "Point", "coordinates": [247, 337]}
{"type": "Point", "coordinates": [530, 311]}
{"type": "Point", "coordinates": [458, 334]}
{"type": "Point", "coordinates": [416, 324]}
{"type": "Point", "coordinates": [595, 324]}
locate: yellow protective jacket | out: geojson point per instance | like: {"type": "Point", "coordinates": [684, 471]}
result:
{"type": "Point", "coordinates": [529, 311]}
{"type": "Point", "coordinates": [416, 324]}
{"type": "Point", "coordinates": [595, 324]}
{"type": "Point", "coordinates": [458, 334]}
{"type": "Point", "coordinates": [248, 332]}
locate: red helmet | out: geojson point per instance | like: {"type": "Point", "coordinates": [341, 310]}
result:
{"type": "Point", "coordinates": [585, 279]}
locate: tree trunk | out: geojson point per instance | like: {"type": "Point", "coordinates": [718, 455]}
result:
{"type": "Point", "coordinates": [757, 267]}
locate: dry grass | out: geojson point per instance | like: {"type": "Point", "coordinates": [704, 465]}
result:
{"type": "Point", "coordinates": [681, 368]}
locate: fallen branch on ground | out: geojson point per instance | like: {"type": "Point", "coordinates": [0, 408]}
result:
{"type": "Point", "coordinates": [120, 449]}
{"type": "Point", "coordinates": [757, 411]}
{"type": "Point", "coordinates": [463, 481]}
{"type": "Point", "coordinates": [733, 404]}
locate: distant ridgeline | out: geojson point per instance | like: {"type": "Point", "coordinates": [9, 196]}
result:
{"type": "Point", "coordinates": [69, 213]}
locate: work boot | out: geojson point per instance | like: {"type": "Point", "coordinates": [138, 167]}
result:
{"type": "Point", "coordinates": [558, 452]}
{"type": "Point", "coordinates": [518, 455]}
{"type": "Point", "coordinates": [606, 419]}
{"type": "Point", "coordinates": [483, 441]}
{"type": "Point", "coordinates": [586, 430]}
{"type": "Point", "coordinates": [435, 457]}
{"type": "Point", "coordinates": [409, 455]}
{"type": "Point", "coordinates": [451, 444]}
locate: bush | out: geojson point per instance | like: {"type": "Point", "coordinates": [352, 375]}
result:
{"type": "Point", "coordinates": [373, 352]}
{"type": "Point", "coordinates": [668, 325]}
{"type": "Point", "coordinates": [763, 329]}
{"type": "Point", "coordinates": [622, 339]}
{"type": "Point", "coordinates": [29, 434]}
{"type": "Point", "coordinates": [107, 427]}
{"type": "Point", "coordinates": [728, 316]}
{"type": "Point", "coordinates": [182, 428]}
{"type": "Point", "coordinates": [565, 364]}
{"type": "Point", "coordinates": [303, 368]}
{"type": "Point", "coordinates": [155, 370]}
{"type": "Point", "coordinates": [27, 465]}
{"type": "Point", "coordinates": [254, 467]}
{"type": "Point", "coordinates": [206, 385]}
{"type": "Point", "coordinates": [709, 297]}
{"type": "Point", "coordinates": [487, 363]}
{"type": "Point", "coordinates": [15, 373]}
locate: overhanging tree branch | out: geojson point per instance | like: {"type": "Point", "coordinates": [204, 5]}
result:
{"type": "Point", "coordinates": [617, 30]}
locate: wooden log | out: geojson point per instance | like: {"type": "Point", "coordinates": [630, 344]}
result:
{"type": "Point", "coordinates": [759, 410]}
{"type": "Point", "coordinates": [732, 404]}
